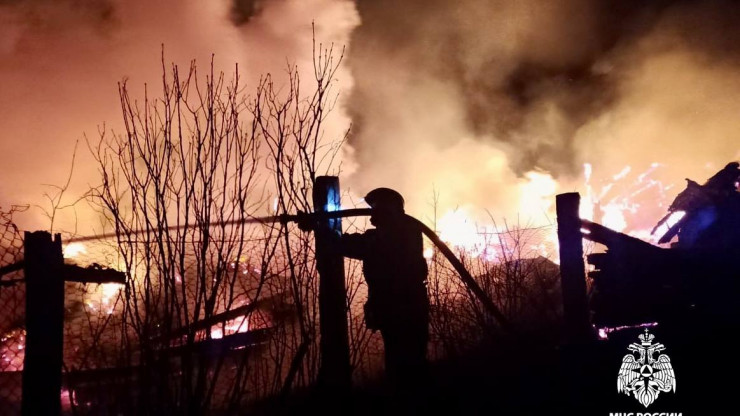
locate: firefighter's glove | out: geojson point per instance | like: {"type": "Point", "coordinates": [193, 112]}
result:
{"type": "Point", "coordinates": [305, 221]}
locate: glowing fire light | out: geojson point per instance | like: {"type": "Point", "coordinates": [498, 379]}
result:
{"type": "Point", "coordinates": [613, 202]}
{"type": "Point", "coordinates": [613, 217]}
{"type": "Point", "coordinates": [603, 333]}
{"type": "Point", "coordinates": [536, 197]}
{"type": "Point", "coordinates": [537, 194]}
{"type": "Point", "coordinates": [456, 229]}
{"type": "Point", "coordinates": [102, 298]}
{"type": "Point", "coordinates": [73, 250]}
{"type": "Point", "coordinates": [67, 399]}
{"type": "Point", "coordinates": [428, 253]}
{"type": "Point", "coordinates": [110, 292]}
{"type": "Point", "coordinates": [586, 209]}
{"type": "Point", "coordinates": [616, 212]}
{"type": "Point", "coordinates": [12, 350]}
{"type": "Point", "coordinates": [624, 172]}
{"type": "Point", "coordinates": [670, 222]}
{"type": "Point", "coordinates": [459, 231]}
{"type": "Point", "coordinates": [233, 326]}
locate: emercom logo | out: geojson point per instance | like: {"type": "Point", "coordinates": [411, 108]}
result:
{"type": "Point", "coordinates": [643, 376]}
{"type": "Point", "coordinates": [645, 414]}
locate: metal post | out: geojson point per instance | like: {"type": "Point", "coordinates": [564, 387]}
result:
{"type": "Point", "coordinates": [42, 365]}
{"type": "Point", "coordinates": [572, 267]}
{"type": "Point", "coordinates": [335, 373]}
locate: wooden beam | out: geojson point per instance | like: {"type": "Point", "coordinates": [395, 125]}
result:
{"type": "Point", "coordinates": [218, 346]}
{"type": "Point", "coordinates": [335, 371]}
{"type": "Point", "coordinates": [92, 274]}
{"type": "Point", "coordinates": [572, 268]}
{"type": "Point", "coordinates": [42, 364]}
{"type": "Point", "coordinates": [220, 318]}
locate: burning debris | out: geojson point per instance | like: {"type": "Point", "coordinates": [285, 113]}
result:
{"type": "Point", "coordinates": [696, 276]}
{"type": "Point", "coordinates": [699, 206]}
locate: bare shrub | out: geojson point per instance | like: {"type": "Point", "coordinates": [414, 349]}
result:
{"type": "Point", "coordinates": [192, 164]}
{"type": "Point", "coordinates": [219, 311]}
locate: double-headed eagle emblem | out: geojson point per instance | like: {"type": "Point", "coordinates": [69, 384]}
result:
{"type": "Point", "coordinates": [643, 376]}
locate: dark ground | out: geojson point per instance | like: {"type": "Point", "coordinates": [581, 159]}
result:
{"type": "Point", "coordinates": [528, 379]}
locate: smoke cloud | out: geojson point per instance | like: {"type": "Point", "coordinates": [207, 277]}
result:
{"type": "Point", "coordinates": [494, 104]}
{"type": "Point", "coordinates": [476, 98]}
{"type": "Point", "coordinates": [61, 60]}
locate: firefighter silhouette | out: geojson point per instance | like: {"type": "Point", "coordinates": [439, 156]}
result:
{"type": "Point", "coordinates": [395, 271]}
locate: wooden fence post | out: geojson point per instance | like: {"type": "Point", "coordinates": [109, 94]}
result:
{"type": "Point", "coordinates": [572, 267]}
{"type": "Point", "coordinates": [42, 364]}
{"type": "Point", "coordinates": [335, 372]}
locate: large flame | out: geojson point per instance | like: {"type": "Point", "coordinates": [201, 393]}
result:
{"type": "Point", "coordinates": [615, 202]}
{"type": "Point", "coordinates": [99, 298]}
{"type": "Point", "coordinates": [233, 326]}
{"type": "Point", "coordinates": [457, 229]}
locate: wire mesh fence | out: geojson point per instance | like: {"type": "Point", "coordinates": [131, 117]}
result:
{"type": "Point", "coordinates": [12, 316]}
{"type": "Point", "coordinates": [250, 345]}
{"type": "Point", "coordinates": [124, 352]}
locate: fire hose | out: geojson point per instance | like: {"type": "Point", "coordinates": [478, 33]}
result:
{"type": "Point", "coordinates": [465, 276]}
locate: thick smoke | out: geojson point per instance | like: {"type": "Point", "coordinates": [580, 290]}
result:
{"type": "Point", "coordinates": [472, 97]}
{"type": "Point", "coordinates": [61, 60]}
{"type": "Point", "coordinates": [481, 100]}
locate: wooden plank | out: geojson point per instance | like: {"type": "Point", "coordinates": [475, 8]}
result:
{"type": "Point", "coordinates": [335, 370]}
{"type": "Point", "coordinates": [42, 364]}
{"type": "Point", "coordinates": [572, 268]}
{"type": "Point", "coordinates": [220, 318]}
{"type": "Point", "coordinates": [92, 274]}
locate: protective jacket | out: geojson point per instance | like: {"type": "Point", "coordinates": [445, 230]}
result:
{"type": "Point", "coordinates": [395, 271]}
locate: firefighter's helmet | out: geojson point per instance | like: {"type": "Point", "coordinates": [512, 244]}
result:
{"type": "Point", "coordinates": [385, 198]}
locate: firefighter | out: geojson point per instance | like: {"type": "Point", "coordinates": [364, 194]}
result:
{"type": "Point", "coordinates": [395, 271]}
